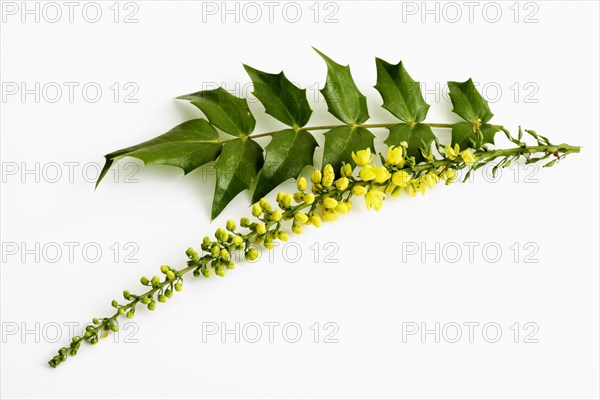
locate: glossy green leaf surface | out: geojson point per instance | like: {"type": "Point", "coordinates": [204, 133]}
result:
{"type": "Point", "coordinates": [468, 103]}
{"type": "Point", "coordinates": [237, 166]}
{"type": "Point", "coordinates": [401, 94]}
{"type": "Point", "coordinates": [281, 98]}
{"type": "Point", "coordinates": [288, 152]}
{"type": "Point", "coordinates": [343, 98]}
{"type": "Point", "coordinates": [187, 146]}
{"type": "Point", "coordinates": [224, 110]}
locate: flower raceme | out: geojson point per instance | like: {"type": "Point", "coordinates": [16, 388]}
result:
{"type": "Point", "coordinates": [326, 199]}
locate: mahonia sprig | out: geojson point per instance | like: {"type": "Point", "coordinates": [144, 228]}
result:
{"type": "Point", "coordinates": [414, 162]}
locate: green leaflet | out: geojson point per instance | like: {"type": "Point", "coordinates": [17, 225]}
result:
{"type": "Point", "coordinates": [401, 94]}
{"type": "Point", "coordinates": [418, 136]}
{"type": "Point", "coordinates": [287, 153]}
{"type": "Point", "coordinates": [236, 167]}
{"type": "Point", "coordinates": [281, 98]}
{"type": "Point", "coordinates": [340, 142]}
{"type": "Point", "coordinates": [462, 133]}
{"type": "Point", "coordinates": [468, 103]}
{"type": "Point", "coordinates": [224, 110]}
{"type": "Point", "coordinates": [473, 108]}
{"type": "Point", "coordinates": [187, 146]}
{"type": "Point", "coordinates": [343, 98]}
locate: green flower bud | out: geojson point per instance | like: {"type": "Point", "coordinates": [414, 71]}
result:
{"type": "Point", "coordinates": [269, 244]}
{"type": "Point", "coordinates": [178, 287]}
{"type": "Point", "coordinates": [130, 314]}
{"type": "Point", "coordinates": [251, 254]}
{"type": "Point", "coordinates": [283, 236]}
{"type": "Point", "coordinates": [206, 271]}
{"type": "Point", "coordinates": [95, 321]}
{"type": "Point", "coordinates": [155, 280]}
{"type": "Point", "coordinates": [230, 264]}
{"type": "Point", "coordinates": [220, 271]}
{"type": "Point", "coordinates": [152, 306]}
{"type": "Point", "coordinates": [277, 215]}
{"type": "Point", "coordinates": [224, 236]}
{"type": "Point", "coordinates": [206, 240]}
{"type": "Point", "coordinates": [144, 280]}
{"type": "Point", "coordinates": [94, 340]}
{"type": "Point", "coordinates": [261, 229]}
{"type": "Point", "coordinates": [256, 210]}
{"type": "Point", "coordinates": [170, 275]}
{"type": "Point", "coordinates": [244, 222]}
{"type": "Point", "coordinates": [162, 298]}
{"type": "Point", "coordinates": [169, 293]}
{"type": "Point", "coordinates": [237, 241]}
{"type": "Point", "coordinates": [230, 225]}
{"type": "Point", "coordinates": [114, 328]}
{"type": "Point", "coordinates": [224, 254]}
{"type": "Point", "coordinates": [114, 303]}
{"type": "Point", "coordinates": [298, 197]}
{"type": "Point", "coordinates": [75, 339]}
{"type": "Point", "coordinates": [196, 273]}
{"type": "Point", "coordinates": [264, 204]}
{"type": "Point", "coordinates": [215, 250]}
{"type": "Point", "coordinates": [165, 268]}
{"type": "Point", "coordinates": [121, 311]}
{"type": "Point", "coordinates": [126, 294]}
{"type": "Point", "coordinates": [146, 300]}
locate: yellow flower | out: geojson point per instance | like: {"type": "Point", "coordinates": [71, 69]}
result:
{"type": "Point", "coordinates": [276, 215]}
{"type": "Point", "coordinates": [296, 228]}
{"type": "Point", "coordinates": [394, 156]}
{"type": "Point", "coordinates": [342, 208]}
{"type": "Point", "coordinates": [264, 203]}
{"type": "Point", "coordinates": [316, 176]}
{"type": "Point", "coordinates": [342, 184]}
{"type": "Point", "coordinates": [286, 200]}
{"type": "Point", "coordinates": [301, 184]}
{"type": "Point", "coordinates": [309, 198]}
{"type": "Point", "coordinates": [374, 199]}
{"type": "Point", "coordinates": [330, 203]}
{"type": "Point", "coordinates": [359, 191]}
{"type": "Point", "coordinates": [283, 236]}
{"type": "Point", "coordinates": [301, 217]}
{"type": "Point", "coordinates": [237, 240]}
{"type": "Point", "coordinates": [411, 190]}
{"type": "Point", "coordinates": [261, 228]}
{"type": "Point", "coordinates": [452, 153]}
{"type": "Point", "coordinates": [346, 170]}
{"type": "Point", "coordinates": [251, 254]}
{"type": "Point", "coordinates": [382, 175]}
{"type": "Point", "coordinates": [429, 180]}
{"type": "Point", "coordinates": [368, 172]}
{"type": "Point", "coordinates": [328, 176]}
{"type": "Point", "coordinates": [330, 215]}
{"type": "Point", "coordinates": [362, 157]}
{"type": "Point", "coordinates": [468, 157]}
{"type": "Point", "coordinates": [450, 176]}
{"type": "Point", "coordinates": [256, 210]}
{"type": "Point", "coordinates": [298, 197]}
{"type": "Point", "coordinates": [400, 178]}
{"type": "Point", "coordinates": [315, 220]}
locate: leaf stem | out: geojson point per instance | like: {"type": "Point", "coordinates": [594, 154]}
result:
{"type": "Point", "coordinates": [366, 126]}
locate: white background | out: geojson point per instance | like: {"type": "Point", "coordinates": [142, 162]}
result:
{"type": "Point", "coordinates": [370, 294]}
